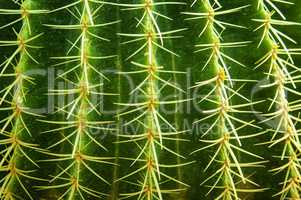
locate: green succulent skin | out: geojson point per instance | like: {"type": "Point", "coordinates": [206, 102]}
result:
{"type": "Point", "coordinates": [150, 99]}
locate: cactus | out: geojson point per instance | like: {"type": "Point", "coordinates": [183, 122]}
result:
{"type": "Point", "coordinates": [226, 150]}
{"type": "Point", "coordinates": [80, 115]}
{"type": "Point", "coordinates": [17, 144]}
{"type": "Point", "coordinates": [278, 59]}
{"type": "Point", "coordinates": [150, 99]}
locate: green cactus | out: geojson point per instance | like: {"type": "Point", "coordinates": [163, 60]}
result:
{"type": "Point", "coordinates": [150, 99]}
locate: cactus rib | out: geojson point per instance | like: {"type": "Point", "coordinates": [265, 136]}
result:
{"type": "Point", "coordinates": [80, 112]}
{"type": "Point", "coordinates": [17, 136]}
{"type": "Point", "coordinates": [153, 139]}
{"type": "Point", "coordinates": [229, 169]}
{"type": "Point", "coordinates": [282, 73]}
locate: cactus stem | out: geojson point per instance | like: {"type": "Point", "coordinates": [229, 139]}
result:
{"type": "Point", "coordinates": [285, 133]}
{"type": "Point", "coordinates": [79, 110]}
{"type": "Point", "coordinates": [224, 121]}
{"type": "Point", "coordinates": [150, 118]}
{"type": "Point", "coordinates": [15, 137]}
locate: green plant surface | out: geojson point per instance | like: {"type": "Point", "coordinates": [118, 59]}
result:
{"type": "Point", "coordinates": [150, 99]}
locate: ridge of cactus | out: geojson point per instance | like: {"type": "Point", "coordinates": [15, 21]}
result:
{"type": "Point", "coordinates": [16, 137]}
{"type": "Point", "coordinates": [81, 116]}
{"type": "Point", "coordinates": [227, 179]}
{"type": "Point", "coordinates": [149, 139]}
{"type": "Point", "coordinates": [283, 75]}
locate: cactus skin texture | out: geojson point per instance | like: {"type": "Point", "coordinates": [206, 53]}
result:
{"type": "Point", "coordinates": [150, 99]}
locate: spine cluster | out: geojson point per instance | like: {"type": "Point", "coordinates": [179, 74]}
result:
{"type": "Point", "coordinates": [283, 76]}
{"type": "Point", "coordinates": [223, 136]}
